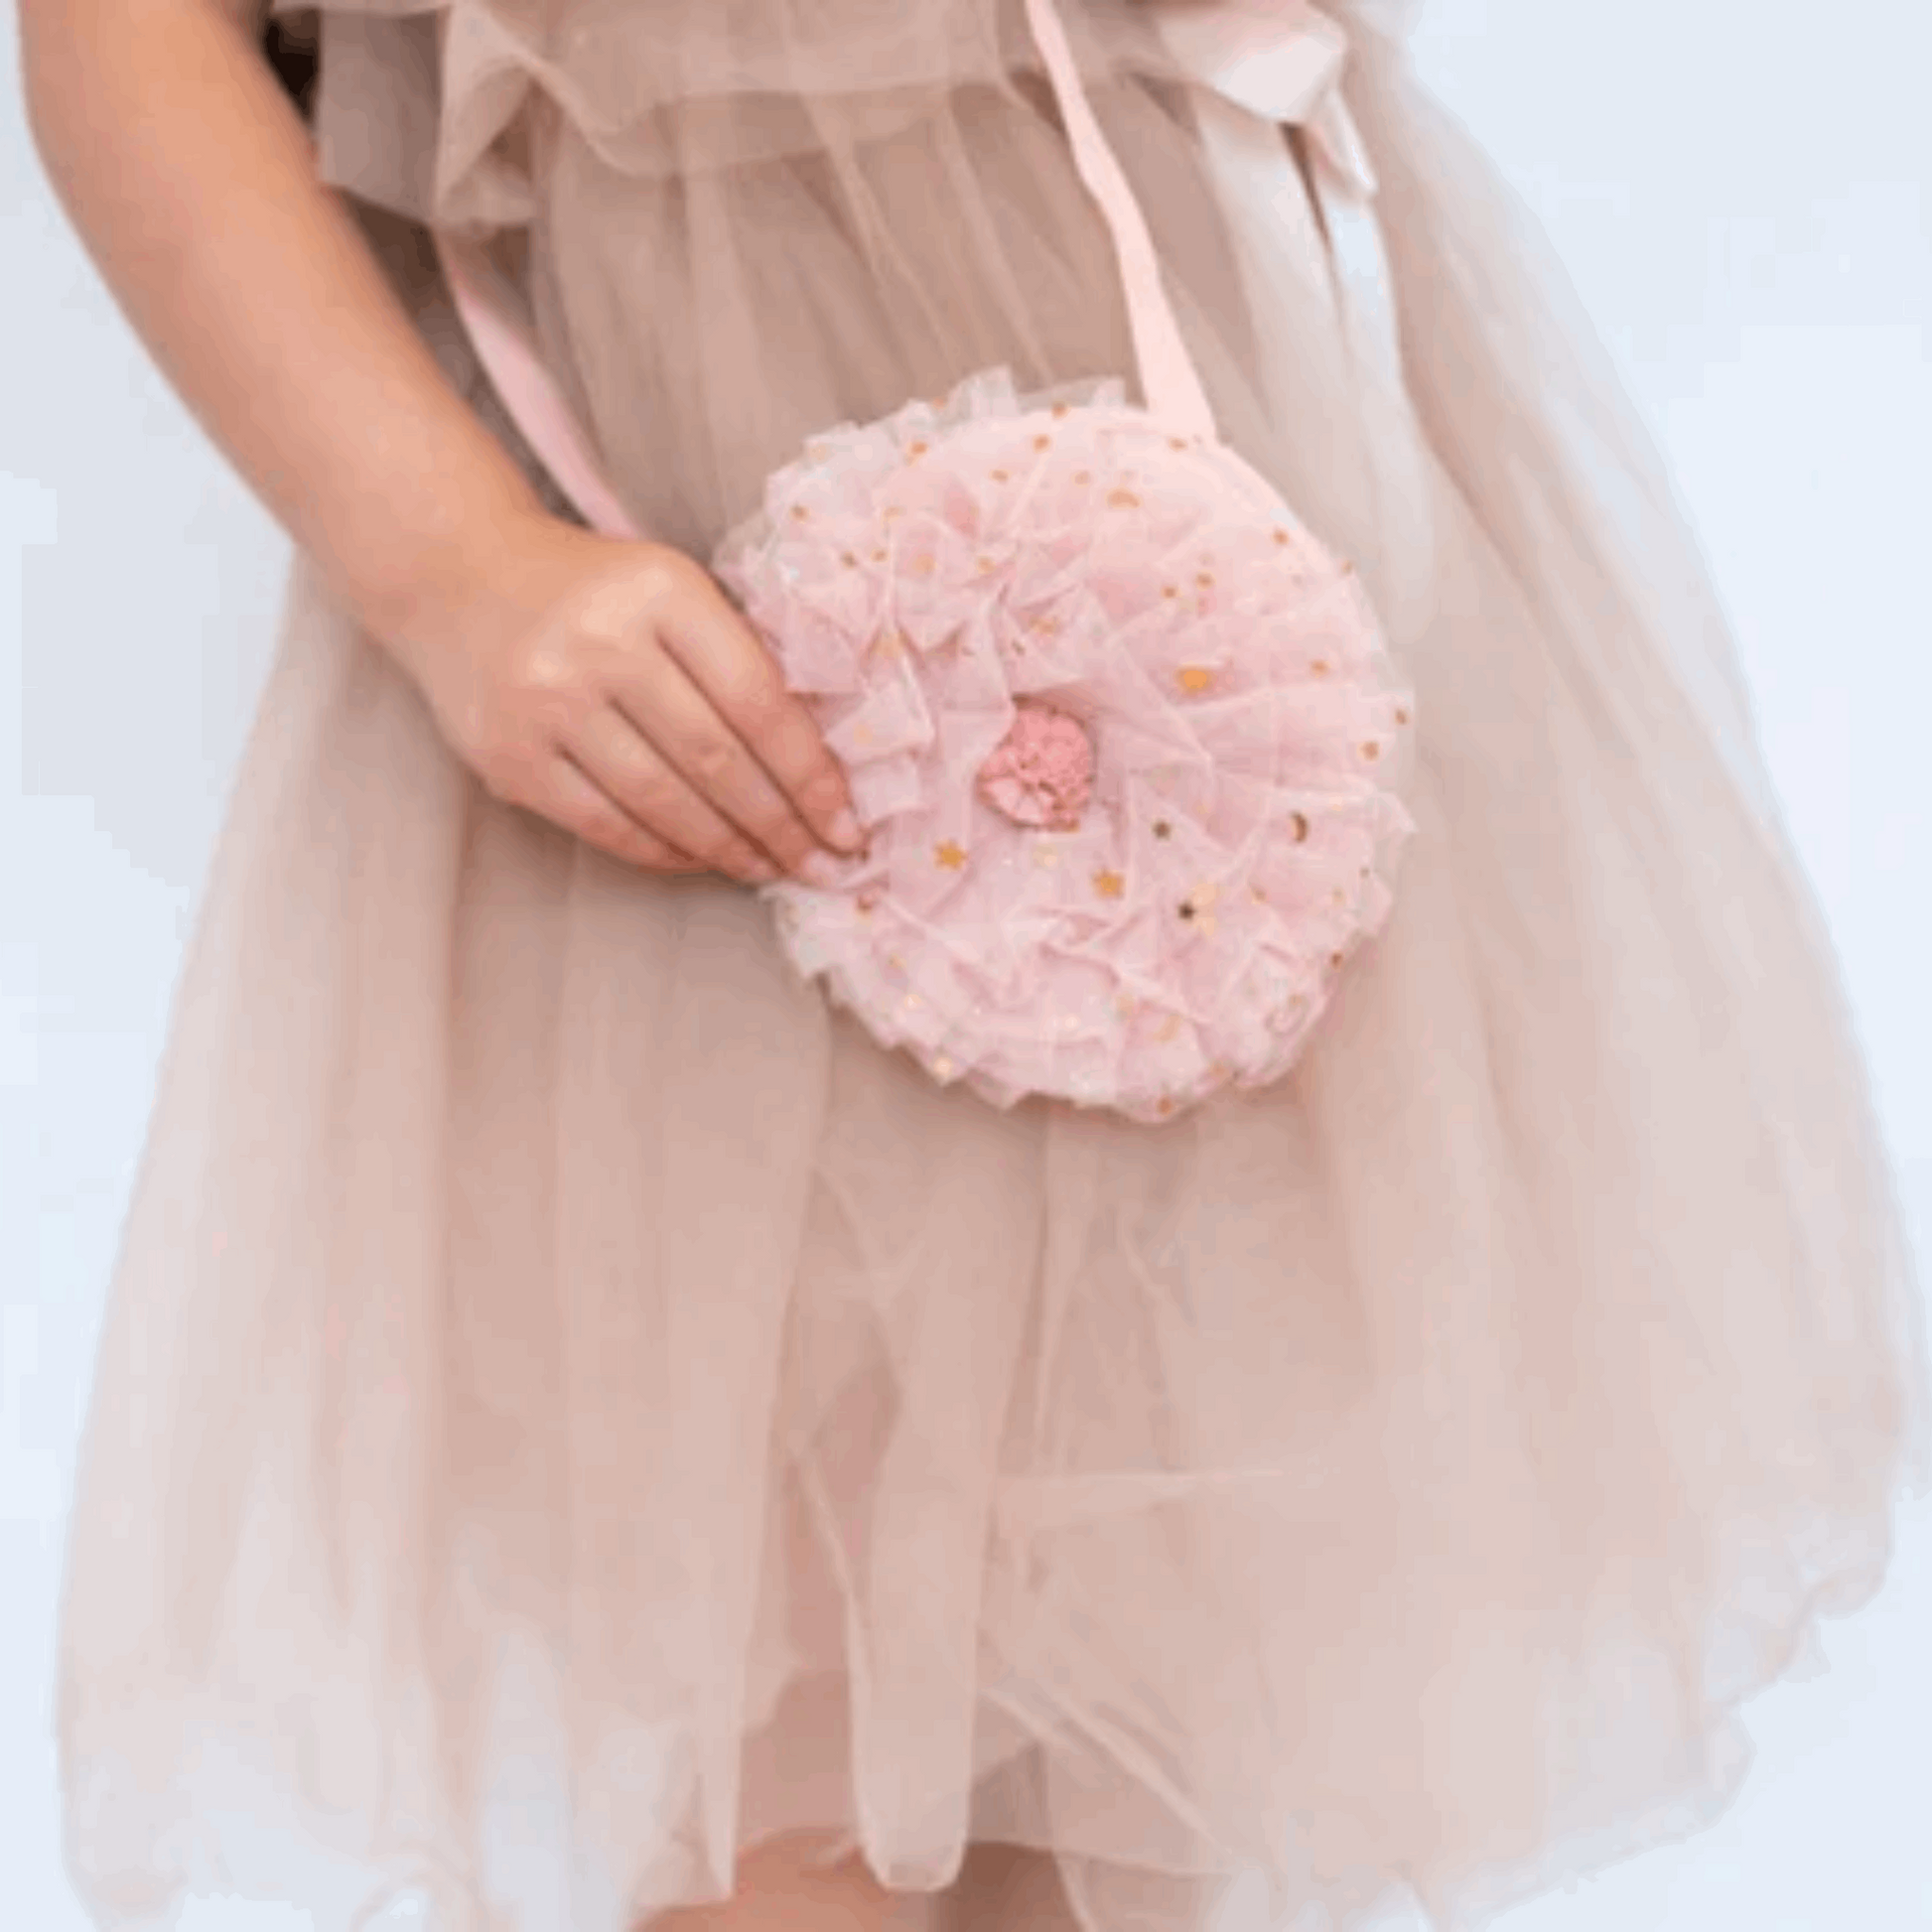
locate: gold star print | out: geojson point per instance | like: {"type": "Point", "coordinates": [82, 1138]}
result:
{"type": "Point", "coordinates": [951, 854]}
{"type": "Point", "coordinates": [1109, 884]}
{"type": "Point", "coordinates": [1195, 678]}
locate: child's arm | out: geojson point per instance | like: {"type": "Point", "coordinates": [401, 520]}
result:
{"type": "Point", "coordinates": [610, 687]}
{"type": "Point", "coordinates": [189, 174]}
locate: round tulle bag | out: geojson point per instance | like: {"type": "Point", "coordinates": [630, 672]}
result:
{"type": "Point", "coordinates": [1124, 736]}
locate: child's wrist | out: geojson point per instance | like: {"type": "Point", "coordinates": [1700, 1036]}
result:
{"type": "Point", "coordinates": [405, 585]}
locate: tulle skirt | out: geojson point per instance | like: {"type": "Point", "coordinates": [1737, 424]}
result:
{"type": "Point", "coordinates": [574, 1409]}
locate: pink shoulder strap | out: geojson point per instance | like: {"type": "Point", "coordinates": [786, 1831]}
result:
{"type": "Point", "coordinates": [1170, 387]}
{"type": "Point", "coordinates": [527, 389]}
{"type": "Point", "coordinates": [1168, 382]}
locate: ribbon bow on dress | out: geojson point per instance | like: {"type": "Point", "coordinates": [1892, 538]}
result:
{"type": "Point", "coordinates": [1281, 61]}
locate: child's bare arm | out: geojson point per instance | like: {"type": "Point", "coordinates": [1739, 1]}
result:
{"type": "Point", "coordinates": [610, 687]}
{"type": "Point", "coordinates": [190, 176]}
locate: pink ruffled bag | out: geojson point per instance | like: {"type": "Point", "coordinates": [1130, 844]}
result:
{"type": "Point", "coordinates": [1125, 737]}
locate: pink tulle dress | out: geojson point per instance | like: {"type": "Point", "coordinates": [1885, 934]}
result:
{"type": "Point", "coordinates": [574, 1408]}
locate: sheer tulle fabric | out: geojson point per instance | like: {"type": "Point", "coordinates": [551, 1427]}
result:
{"type": "Point", "coordinates": [573, 1408]}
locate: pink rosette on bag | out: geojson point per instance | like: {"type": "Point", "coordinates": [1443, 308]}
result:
{"type": "Point", "coordinates": [1123, 732]}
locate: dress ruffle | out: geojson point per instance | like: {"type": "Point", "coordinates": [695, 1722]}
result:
{"type": "Point", "coordinates": [435, 108]}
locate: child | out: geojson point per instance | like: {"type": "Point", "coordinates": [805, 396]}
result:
{"type": "Point", "coordinates": [584, 1437]}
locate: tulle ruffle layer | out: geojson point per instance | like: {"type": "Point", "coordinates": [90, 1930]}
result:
{"type": "Point", "coordinates": [439, 108]}
{"type": "Point", "coordinates": [1124, 736]}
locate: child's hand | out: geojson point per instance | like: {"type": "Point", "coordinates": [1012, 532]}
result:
{"type": "Point", "coordinates": [614, 689]}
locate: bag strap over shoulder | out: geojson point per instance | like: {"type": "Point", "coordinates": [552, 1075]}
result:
{"type": "Point", "coordinates": [1168, 382]}
{"type": "Point", "coordinates": [1269, 44]}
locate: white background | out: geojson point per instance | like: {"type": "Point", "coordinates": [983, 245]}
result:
{"type": "Point", "coordinates": [1743, 191]}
